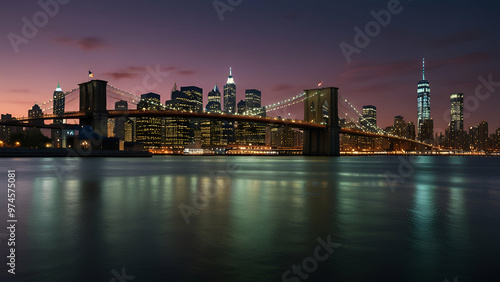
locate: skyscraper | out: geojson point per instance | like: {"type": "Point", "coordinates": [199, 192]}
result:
{"type": "Point", "coordinates": [176, 130]}
{"type": "Point", "coordinates": [119, 126]}
{"type": "Point", "coordinates": [242, 106]}
{"type": "Point", "coordinates": [149, 128]}
{"type": "Point", "coordinates": [229, 107]}
{"type": "Point", "coordinates": [411, 130]}
{"type": "Point", "coordinates": [35, 112]}
{"type": "Point", "coordinates": [214, 101]}
{"type": "Point", "coordinates": [456, 132]}
{"type": "Point", "coordinates": [58, 103]}
{"type": "Point", "coordinates": [253, 99]}
{"type": "Point", "coordinates": [211, 129]}
{"type": "Point", "coordinates": [194, 97]}
{"type": "Point", "coordinates": [230, 94]}
{"type": "Point", "coordinates": [7, 131]}
{"type": "Point", "coordinates": [58, 109]}
{"type": "Point", "coordinates": [255, 133]}
{"type": "Point", "coordinates": [457, 112]}
{"type": "Point", "coordinates": [483, 136]}
{"type": "Point", "coordinates": [423, 106]}
{"type": "Point", "coordinates": [400, 127]}
{"type": "Point", "coordinates": [369, 119]}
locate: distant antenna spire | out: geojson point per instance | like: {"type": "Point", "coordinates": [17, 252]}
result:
{"type": "Point", "coordinates": [230, 79]}
{"type": "Point", "coordinates": [423, 69]}
{"type": "Point", "coordinates": [175, 87]}
{"type": "Point", "coordinates": [58, 87]}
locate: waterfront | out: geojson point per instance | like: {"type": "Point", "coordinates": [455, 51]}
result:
{"type": "Point", "coordinates": [80, 219]}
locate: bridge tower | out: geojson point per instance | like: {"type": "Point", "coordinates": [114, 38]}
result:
{"type": "Point", "coordinates": [93, 103]}
{"type": "Point", "coordinates": [321, 106]}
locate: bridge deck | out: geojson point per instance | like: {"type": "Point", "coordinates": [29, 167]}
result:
{"type": "Point", "coordinates": [203, 115]}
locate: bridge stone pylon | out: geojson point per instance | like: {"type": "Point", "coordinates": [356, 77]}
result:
{"type": "Point", "coordinates": [321, 106]}
{"type": "Point", "coordinates": [93, 103]}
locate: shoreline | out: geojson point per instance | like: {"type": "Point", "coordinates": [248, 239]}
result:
{"type": "Point", "coordinates": [69, 153]}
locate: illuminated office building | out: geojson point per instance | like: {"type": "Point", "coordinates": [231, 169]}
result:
{"type": "Point", "coordinates": [253, 99]}
{"type": "Point", "coordinates": [457, 136]}
{"type": "Point", "coordinates": [119, 123]}
{"type": "Point", "coordinates": [241, 107]}
{"type": "Point", "coordinates": [148, 129]}
{"type": "Point", "coordinates": [369, 118]}
{"type": "Point", "coordinates": [400, 127]}
{"type": "Point", "coordinates": [230, 94]}
{"type": "Point", "coordinates": [255, 133]}
{"type": "Point", "coordinates": [214, 101]}
{"type": "Point", "coordinates": [211, 129]}
{"type": "Point", "coordinates": [282, 137]}
{"type": "Point", "coordinates": [229, 107]}
{"type": "Point", "coordinates": [424, 108]}
{"type": "Point", "coordinates": [176, 130]}
{"type": "Point", "coordinates": [58, 101]}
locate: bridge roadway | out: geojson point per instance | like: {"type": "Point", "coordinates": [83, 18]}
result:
{"type": "Point", "coordinates": [204, 115]}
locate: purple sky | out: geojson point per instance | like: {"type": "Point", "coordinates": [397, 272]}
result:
{"type": "Point", "coordinates": [278, 47]}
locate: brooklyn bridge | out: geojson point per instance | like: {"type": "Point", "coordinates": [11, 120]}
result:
{"type": "Point", "coordinates": [323, 107]}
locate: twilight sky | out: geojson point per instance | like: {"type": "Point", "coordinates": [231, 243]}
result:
{"type": "Point", "coordinates": [280, 47]}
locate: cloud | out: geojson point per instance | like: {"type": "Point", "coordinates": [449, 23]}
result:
{"type": "Point", "coordinates": [126, 73]}
{"type": "Point", "coordinates": [139, 71]}
{"type": "Point", "coordinates": [281, 87]}
{"type": "Point", "coordinates": [186, 72]}
{"type": "Point", "coordinates": [117, 75]}
{"type": "Point", "coordinates": [20, 90]}
{"type": "Point", "coordinates": [86, 43]}
{"type": "Point", "coordinates": [463, 36]}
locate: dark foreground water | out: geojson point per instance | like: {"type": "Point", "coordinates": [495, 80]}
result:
{"type": "Point", "coordinates": [254, 219]}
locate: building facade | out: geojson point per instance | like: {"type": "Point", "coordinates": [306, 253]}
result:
{"type": "Point", "coordinates": [424, 107]}
{"type": "Point", "coordinates": [148, 129]}
{"type": "Point", "coordinates": [369, 119]}
{"type": "Point", "coordinates": [229, 108]}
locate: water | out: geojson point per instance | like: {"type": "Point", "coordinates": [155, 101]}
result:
{"type": "Point", "coordinates": [91, 219]}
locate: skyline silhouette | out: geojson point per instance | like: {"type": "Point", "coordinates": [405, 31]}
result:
{"type": "Point", "coordinates": [276, 48]}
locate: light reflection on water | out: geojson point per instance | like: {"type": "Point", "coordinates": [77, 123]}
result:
{"type": "Point", "coordinates": [265, 215]}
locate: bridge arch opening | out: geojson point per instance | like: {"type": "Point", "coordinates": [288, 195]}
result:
{"type": "Point", "coordinates": [326, 113]}
{"type": "Point", "coordinates": [312, 109]}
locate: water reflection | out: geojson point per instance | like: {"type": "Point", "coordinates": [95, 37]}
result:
{"type": "Point", "coordinates": [260, 219]}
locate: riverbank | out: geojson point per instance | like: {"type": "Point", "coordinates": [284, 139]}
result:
{"type": "Point", "coordinates": [64, 153]}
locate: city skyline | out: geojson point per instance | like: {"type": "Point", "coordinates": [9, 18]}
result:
{"type": "Point", "coordinates": [383, 74]}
